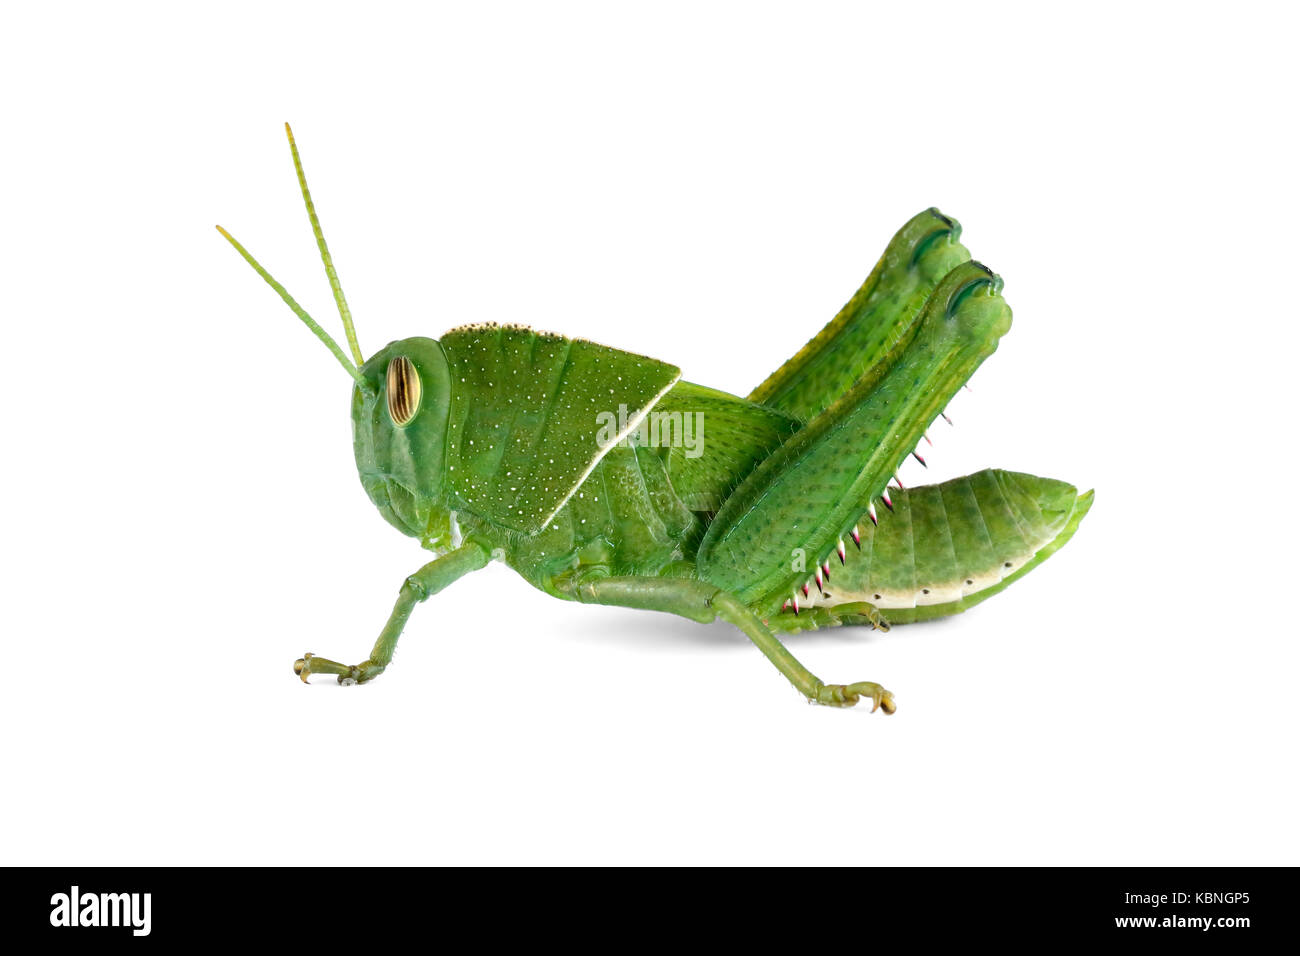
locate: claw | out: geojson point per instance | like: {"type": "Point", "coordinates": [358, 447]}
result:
{"type": "Point", "coordinates": [841, 695]}
{"type": "Point", "coordinates": [881, 699]}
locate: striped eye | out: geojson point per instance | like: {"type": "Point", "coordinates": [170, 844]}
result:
{"type": "Point", "coordinates": [403, 391]}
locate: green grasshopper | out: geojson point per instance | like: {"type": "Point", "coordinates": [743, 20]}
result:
{"type": "Point", "coordinates": [501, 442]}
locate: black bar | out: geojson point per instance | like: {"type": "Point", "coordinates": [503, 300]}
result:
{"type": "Point", "coordinates": [822, 907]}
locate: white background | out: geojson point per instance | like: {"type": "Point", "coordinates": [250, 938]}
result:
{"type": "Point", "coordinates": [704, 183]}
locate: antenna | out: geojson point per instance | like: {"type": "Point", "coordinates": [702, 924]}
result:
{"type": "Point", "coordinates": [344, 312]}
{"type": "Point", "coordinates": [300, 312]}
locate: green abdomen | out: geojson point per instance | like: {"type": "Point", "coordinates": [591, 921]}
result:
{"type": "Point", "coordinates": [944, 548]}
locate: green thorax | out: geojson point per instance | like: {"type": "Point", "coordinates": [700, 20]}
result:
{"type": "Point", "coordinates": [647, 503]}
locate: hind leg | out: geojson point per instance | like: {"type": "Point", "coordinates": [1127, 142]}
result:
{"type": "Point", "coordinates": [869, 327]}
{"type": "Point", "coordinates": [704, 602]}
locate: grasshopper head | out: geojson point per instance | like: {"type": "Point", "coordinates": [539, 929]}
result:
{"type": "Point", "coordinates": [399, 434]}
{"type": "Point", "coordinates": [400, 404]}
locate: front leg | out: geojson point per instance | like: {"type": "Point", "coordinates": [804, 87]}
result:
{"type": "Point", "coordinates": [429, 580]}
{"type": "Point", "coordinates": [703, 602]}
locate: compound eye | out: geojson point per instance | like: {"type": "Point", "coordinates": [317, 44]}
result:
{"type": "Point", "coordinates": [403, 391]}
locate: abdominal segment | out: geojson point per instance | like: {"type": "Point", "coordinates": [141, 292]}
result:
{"type": "Point", "coordinates": [942, 547]}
